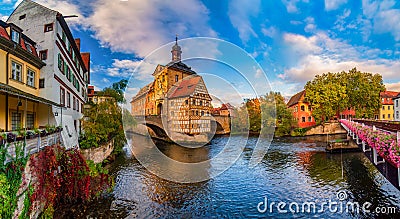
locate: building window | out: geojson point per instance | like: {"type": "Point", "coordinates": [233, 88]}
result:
{"type": "Point", "coordinates": [28, 47]}
{"type": "Point", "coordinates": [388, 116]}
{"type": "Point", "coordinates": [62, 96]}
{"type": "Point", "coordinates": [383, 107]}
{"type": "Point", "coordinates": [81, 107]}
{"type": "Point", "coordinates": [397, 103]}
{"type": "Point", "coordinates": [30, 120]}
{"type": "Point", "coordinates": [22, 17]}
{"type": "Point", "coordinates": [41, 83]}
{"type": "Point", "coordinates": [397, 114]}
{"type": "Point", "coordinates": [201, 103]}
{"type": "Point", "coordinates": [61, 63]}
{"type": "Point", "coordinates": [295, 109]}
{"type": "Point", "coordinates": [309, 119]}
{"type": "Point", "coordinates": [15, 36]}
{"type": "Point", "coordinates": [383, 116]}
{"type": "Point", "coordinates": [309, 108]}
{"type": "Point", "coordinates": [63, 37]}
{"type": "Point", "coordinates": [388, 107]}
{"type": "Point", "coordinates": [30, 78]}
{"type": "Point", "coordinates": [303, 119]}
{"type": "Point", "coordinates": [43, 54]}
{"type": "Point", "coordinates": [73, 103]}
{"type": "Point", "coordinates": [68, 73]}
{"type": "Point", "coordinates": [194, 102]}
{"type": "Point", "coordinates": [176, 78]}
{"type": "Point", "coordinates": [302, 108]}
{"type": "Point", "coordinates": [16, 72]}
{"type": "Point", "coordinates": [68, 100]}
{"type": "Point", "coordinates": [48, 27]}
{"type": "Point", "coordinates": [202, 113]}
{"type": "Point", "coordinates": [77, 104]}
{"type": "Point", "coordinates": [186, 102]}
{"type": "Point", "coordinates": [15, 120]}
{"type": "Point", "coordinates": [197, 112]}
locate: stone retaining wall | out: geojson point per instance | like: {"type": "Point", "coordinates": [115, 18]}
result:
{"type": "Point", "coordinates": [99, 154]}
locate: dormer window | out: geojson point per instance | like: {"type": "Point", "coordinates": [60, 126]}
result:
{"type": "Point", "coordinates": [15, 36]}
{"type": "Point", "coordinates": [28, 47]}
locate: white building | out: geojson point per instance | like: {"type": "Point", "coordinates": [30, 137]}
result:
{"type": "Point", "coordinates": [65, 77]}
{"type": "Point", "coordinates": [396, 106]}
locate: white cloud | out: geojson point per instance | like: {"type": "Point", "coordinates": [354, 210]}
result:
{"type": "Point", "coordinates": [382, 17]}
{"type": "Point", "coordinates": [270, 32]}
{"type": "Point", "coordinates": [139, 27]}
{"type": "Point", "coordinates": [259, 73]}
{"type": "Point", "coordinates": [334, 4]}
{"type": "Point", "coordinates": [320, 54]}
{"type": "Point", "coordinates": [291, 5]}
{"type": "Point", "coordinates": [310, 25]}
{"type": "Point", "coordinates": [3, 17]}
{"type": "Point", "coordinates": [393, 86]}
{"type": "Point", "coordinates": [127, 68]}
{"type": "Point", "coordinates": [340, 23]}
{"type": "Point", "coordinates": [388, 21]}
{"type": "Point", "coordinates": [65, 8]}
{"type": "Point", "coordinates": [239, 13]}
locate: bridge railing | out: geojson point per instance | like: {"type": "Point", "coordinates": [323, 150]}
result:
{"type": "Point", "coordinates": [381, 147]}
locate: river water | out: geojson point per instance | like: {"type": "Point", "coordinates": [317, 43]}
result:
{"type": "Point", "coordinates": [294, 171]}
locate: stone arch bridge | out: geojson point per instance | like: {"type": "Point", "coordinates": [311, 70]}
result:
{"type": "Point", "coordinates": [221, 125]}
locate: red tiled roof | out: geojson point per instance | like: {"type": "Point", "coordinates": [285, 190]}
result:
{"type": "Point", "coordinates": [296, 98]}
{"type": "Point", "coordinates": [86, 59]}
{"type": "Point", "coordinates": [387, 97]}
{"type": "Point", "coordinates": [4, 33]}
{"type": "Point", "coordinates": [185, 88]}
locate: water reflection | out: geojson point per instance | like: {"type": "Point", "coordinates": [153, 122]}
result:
{"type": "Point", "coordinates": [290, 171]}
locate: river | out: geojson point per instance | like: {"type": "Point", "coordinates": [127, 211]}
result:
{"type": "Point", "coordinates": [294, 171]}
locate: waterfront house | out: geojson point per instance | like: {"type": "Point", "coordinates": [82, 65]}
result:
{"type": "Point", "coordinates": [189, 106]}
{"type": "Point", "coordinates": [65, 77]}
{"type": "Point", "coordinates": [21, 106]}
{"type": "Point", "coordinates": [387, 112]}
{"type": "Point", "coordinates": [179, 91]}
{"type": "Point", "coordinates": [302, 111]}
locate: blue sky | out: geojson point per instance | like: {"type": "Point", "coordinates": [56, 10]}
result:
{"type": "Point", "coordinates": [291, 40]}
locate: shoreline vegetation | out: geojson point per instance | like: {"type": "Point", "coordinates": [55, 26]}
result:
{"type": "Point", "coordinates": [32, 186]}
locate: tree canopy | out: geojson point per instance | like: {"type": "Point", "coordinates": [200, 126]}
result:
{"type": "Point", "coordinates": [263, 113]}
{"type": "Point", "coordinates": [331, 93]}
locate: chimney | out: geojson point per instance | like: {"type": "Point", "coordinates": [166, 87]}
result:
{"type": "Point", "coordinates": [78, 43]}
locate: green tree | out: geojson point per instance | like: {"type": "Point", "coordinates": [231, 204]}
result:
{"type": "Point", "coordinates": [264, 113]}
{"type": "Point", "coordinates": [276, 114]}
{"type": "Point", "coordinates": [104, 121]}
{"type": "Point", "coordinates": [331, 93]}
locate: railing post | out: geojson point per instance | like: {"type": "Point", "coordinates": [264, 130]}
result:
{"type": "Point", "coordinates": [38, 144]}
{"type": "Point", "coordinates": [398, 136]}
{"type": "Point", "coordinates": [375, 156]}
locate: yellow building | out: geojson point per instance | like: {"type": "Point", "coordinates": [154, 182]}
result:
{"type": "Point", "coordinates": [20, 104]}
{"type": "Point", "coordinates": [179, 90]}
{"type": "Point", "coordinates": [386, 112]}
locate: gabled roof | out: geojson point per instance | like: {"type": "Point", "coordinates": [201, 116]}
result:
{"type": "Point", "coordinates": [296, 98]}
{"type": "Point", "coordinates": [388, 96]}
{"type": "Point", "coordinates": [185, 88]}
{"type": "Point", "coordinates": [24, 49]}
{"type": "Point", "coordinates": [180, 66]}
{"type": "Point", "coordinates": [142, 91]}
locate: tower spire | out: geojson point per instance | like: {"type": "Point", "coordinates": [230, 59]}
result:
{"type": "Point", "coordinates": [176, 51]}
